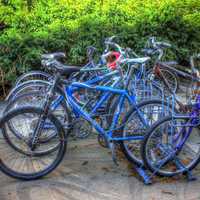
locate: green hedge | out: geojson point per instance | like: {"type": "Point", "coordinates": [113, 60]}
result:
{"type": "Point", "coordinates": [72, 25]}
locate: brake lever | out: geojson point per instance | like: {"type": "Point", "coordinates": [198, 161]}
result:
{"type": "Point", "coordinates": [162, 45]}
{"type": "Point", "coordinates": [110, 39]}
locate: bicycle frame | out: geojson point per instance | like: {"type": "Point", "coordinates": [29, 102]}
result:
{"type": "Point", "coordinates": [57, 102]}
{"type": "Point", "coordinates": [108, 91]}
{"type": "Point", "coordinates": [105, 77]}
{"type": "Point", "coordinates": [123, 94]}
{"type": "Point", "coordinates": [162, 65]}
{"type": "Point", "coordinates": [77, 110]}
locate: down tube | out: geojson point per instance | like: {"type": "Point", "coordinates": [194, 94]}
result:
{"type": "Point", "coordinates": [116, 115]}
{"type": "Point", "coordinates": [82, 113]}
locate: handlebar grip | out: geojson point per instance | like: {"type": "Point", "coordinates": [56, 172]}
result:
{"type": "Point", "coordinates": [167, 44]}
{"type": "Point", "coordinates": [162, 45]}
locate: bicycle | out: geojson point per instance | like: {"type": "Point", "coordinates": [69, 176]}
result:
{"type": "Point", "coordinates": [162, 72]}
{"type": "Point", "coordinates": [171, 146]}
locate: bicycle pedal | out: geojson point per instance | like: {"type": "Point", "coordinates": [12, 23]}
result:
{"type": "Point", "coordinates": [115, 160]}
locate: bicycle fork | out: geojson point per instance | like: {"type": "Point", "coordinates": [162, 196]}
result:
{"type": "Point", "coordinates": [43, 116]}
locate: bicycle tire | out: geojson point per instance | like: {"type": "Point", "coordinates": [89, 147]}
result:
{"type": "Point", "coordinates": [59, 156]}
{"type": "Point", "coordinates": [147, 163]}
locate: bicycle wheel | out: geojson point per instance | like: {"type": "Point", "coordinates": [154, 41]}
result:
{"type": "Point", "coordinates": [164, 151]}
{"type": "Point", "coordinates": [28, 86]}
{"type": "Point", "coordinates": [140, 91]}
{"type": "Point", "coordinates": [37, 98]}
{"type": "Point", "coordinates": [171, 79]}
{"type": "Point", "coordinates": [25, 162]}
{"type": "Point", "coordinates": [33, 75]}
{"type": "Point", "coordinates": [136, 122]}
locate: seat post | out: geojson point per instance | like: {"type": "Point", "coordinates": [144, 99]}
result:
{"type": "Point", "coordinates": [128, 78]}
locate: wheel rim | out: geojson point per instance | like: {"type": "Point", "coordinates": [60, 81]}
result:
{"type": "Point", "coordinates": [24, 162]}
{"type": "Point", "coordinates": [163, 138]}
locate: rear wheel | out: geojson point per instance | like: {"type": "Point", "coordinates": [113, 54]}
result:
{"type": "Point", "coordinates": [32, 75]}
{"type": "Point", "coordinates": [137, 121]}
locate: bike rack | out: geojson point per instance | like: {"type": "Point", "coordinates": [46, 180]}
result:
{"type": "Point", "coordinates": [189, 175]}
{"type": "Point", "coordinates": [143, 174]}
{"type": "Point", "coordinates": [147, 178]}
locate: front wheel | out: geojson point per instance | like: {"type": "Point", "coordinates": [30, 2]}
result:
{"type": "Point", "coordinates": [18, 159]}
{"type": "Point", "coordinates": [171, 146]}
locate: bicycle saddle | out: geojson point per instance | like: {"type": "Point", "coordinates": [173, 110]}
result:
{"type": "Point", "coordinates": [137, 60]}
{"type": "Point", "coordinates": [170, 62]}
{"type": "Point", "coordinates": [51, 56]}
{"type": "Point", "coordinates": [57, 66]}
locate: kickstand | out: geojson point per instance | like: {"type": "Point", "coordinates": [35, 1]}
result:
{"type": "Point", "coordinates": [143, 174]}
{"type": "Point", "coordinates": [190, 176]}
{"type": "Point", "coordinates": [112, 146]}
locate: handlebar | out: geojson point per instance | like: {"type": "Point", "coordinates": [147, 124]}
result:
{"type": "Point", "coordinates": [156, 47]}
{"type": "Point", "coordinates": [90, 50]}
{"type": "Point", "coordinates": [109, 42]}
{"type": "Point", "coordinates": [90, 53]}
{"type": "Point", "coordinates": [115, 45]}
{"type": "Point", "coordinates": [110, 39]}
{"type": "Point", "coordinates": [162, 45]}
{"type": "Point", "coordinates": [152, 42]}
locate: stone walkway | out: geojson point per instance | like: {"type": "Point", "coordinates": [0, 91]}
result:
{"type": "Point", "coordinates": [88, 172]}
